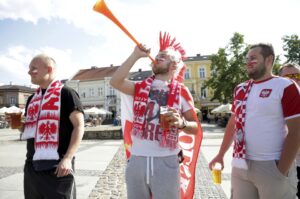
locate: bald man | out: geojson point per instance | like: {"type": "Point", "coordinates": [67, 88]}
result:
{"type": "Point", "coordinates": [53, 128]}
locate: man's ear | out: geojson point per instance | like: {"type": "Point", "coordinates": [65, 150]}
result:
{"type": "Point", "coordinates": [50, 69]}
{"type": "Point", "coordinates": [270, 60]}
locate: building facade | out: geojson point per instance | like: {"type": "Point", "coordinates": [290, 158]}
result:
{"type": "Point", "coordinates": [197, 71]}
{"type": "Point", "coordinates": [94, 89]}
{"type": "Point", "coordinates": [14, 95]}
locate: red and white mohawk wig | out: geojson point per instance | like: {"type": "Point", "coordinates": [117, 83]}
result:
{"type": "Point", "coordinates": [175, 51]}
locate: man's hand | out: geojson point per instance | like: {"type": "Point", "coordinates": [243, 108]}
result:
{"type": "Point", "coordinates": [141, 51]}
{"type": "Point", "coordinates": [174, 118]}
{"type": "Point", "coordinates": [64, 167]}
{"type": "Point", "coordinates": [217, 159]}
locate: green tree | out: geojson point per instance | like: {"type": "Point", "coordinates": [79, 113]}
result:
{"type": "Point", "coordinates": [291, 44]}
{"type": "Point", "coordinates": [228, 69]}
{"type": "Point", "coordinates": [276, 65]}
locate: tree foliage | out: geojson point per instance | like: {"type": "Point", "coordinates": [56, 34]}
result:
{"type": "Point", "coordinates": [228, 69]}
{"type": "Point", "coordinates": [276, 65]}
{"type": "Point", "coordinates": [292, 47]}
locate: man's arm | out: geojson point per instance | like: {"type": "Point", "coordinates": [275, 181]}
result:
{"type": "Point", "coordinates": [188, 120]}
{"type": "Point", "coordinates": [118, 80]}
{"type": "Point", "coordinates": [227, 141]}
{"type": "Point", "coordinates": [291, 145]}
{"type": "Point", "coordinates": [65, 165]}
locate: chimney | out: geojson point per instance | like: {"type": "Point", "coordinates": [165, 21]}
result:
{"type": "Point", "coordinates": [198, 55]}
{"type": "Point", "coordinates": [140, 70]}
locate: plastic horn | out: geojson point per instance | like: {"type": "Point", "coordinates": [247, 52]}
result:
{"type": "Point", "coordinates": [101, 7]}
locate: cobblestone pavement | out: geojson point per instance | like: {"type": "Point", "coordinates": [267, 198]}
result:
{"type": "Point", "coordinates": [111, 184]}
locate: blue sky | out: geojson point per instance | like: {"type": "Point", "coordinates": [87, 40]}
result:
{"type": "Point", "coordinates": [78, 37]}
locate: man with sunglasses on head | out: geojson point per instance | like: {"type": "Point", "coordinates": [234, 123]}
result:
{"type": "Point", "coordinates": [265, 128]}
{"type": "Point", "coordinates": [292, 71]}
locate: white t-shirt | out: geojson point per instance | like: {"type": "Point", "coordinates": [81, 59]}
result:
{"type": "Point", "coordinates": [150, 146]}
{"type": "Point", "coordinates": [269, 104]}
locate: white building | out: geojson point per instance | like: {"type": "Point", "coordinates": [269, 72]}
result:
{"type": "Point", "coordinates": [94, 89]}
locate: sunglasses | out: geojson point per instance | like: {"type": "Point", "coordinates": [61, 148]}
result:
{"type": "Point", "coordinates": [294, 76]}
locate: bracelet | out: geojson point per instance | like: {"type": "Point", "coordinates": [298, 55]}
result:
{"type": "Point", "coordinates": [184, 123]}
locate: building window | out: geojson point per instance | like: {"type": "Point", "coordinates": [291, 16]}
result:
{"type": "Point", "coordinates": [202, 73]}
{"type": "Point", "coordinates": [111, 91]}
{"type": "Point", "coordinates": [203, 93]}
{"type": "Point", "coordinates": [92, 94]}
{"type": "Point", "coordinates": [83, 94]}
{"type": "Point", "coordinates": [1, 100]}
{"type": "Point", "coordinates": [100, 91]}
{"type": "Point", "coordinates": [187, 74]}
{"type": "Point", "coordinates": [13, 101]}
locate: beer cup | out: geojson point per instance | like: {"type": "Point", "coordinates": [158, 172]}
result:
{"type": "Point", "coordinates": [15, 120]}
{"type": "Point", "coordinates": [164, 124]}
{"type": "Point", "coordinates": [216, 175]}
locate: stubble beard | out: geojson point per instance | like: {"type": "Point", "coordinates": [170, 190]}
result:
{"type": "Point", "coordinates": [258, 72]}
{"type": "Point", "coordinates": [161, 70]}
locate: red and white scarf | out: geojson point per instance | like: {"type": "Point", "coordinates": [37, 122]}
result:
{"type": "Point", "coordinates": [169, 137]}
{"type": "Point", "coordinates": [240, 101]}
{"type": "Point", "coordinates": [42, 122]}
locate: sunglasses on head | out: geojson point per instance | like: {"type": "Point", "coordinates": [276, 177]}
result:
{"type": "Point", "coordinates": [294, 76]}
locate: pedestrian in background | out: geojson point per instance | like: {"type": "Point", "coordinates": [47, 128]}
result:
{"type": "Point", "coordinates": [265, 127]}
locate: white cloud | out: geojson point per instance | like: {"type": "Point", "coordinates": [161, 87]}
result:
{"type": "Point", "coordinates": [14, 63]}
{"type": "Point", "coordinates": [30, 11]}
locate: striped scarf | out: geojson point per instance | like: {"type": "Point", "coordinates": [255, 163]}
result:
{"type": "Point", "coordinates": [240, 101]}
{"type": "Point", "coordinates": [169, 137]}
{"type": "Point", "coordinates": [42, 122]}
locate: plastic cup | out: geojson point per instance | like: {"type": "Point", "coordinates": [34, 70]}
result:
{"type": "Point", "coordinates": [163, 122]}
{"type": "Point", "coordinates": [216, 176]}
{"type": "Point", "coordinates": [15, 119]}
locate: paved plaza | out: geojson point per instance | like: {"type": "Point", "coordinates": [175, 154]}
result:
{"type": "Point", "coordinates": [100, 167]}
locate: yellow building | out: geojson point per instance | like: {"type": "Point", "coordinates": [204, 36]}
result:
{"type": "Point", "coordinates": [197, 71]}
